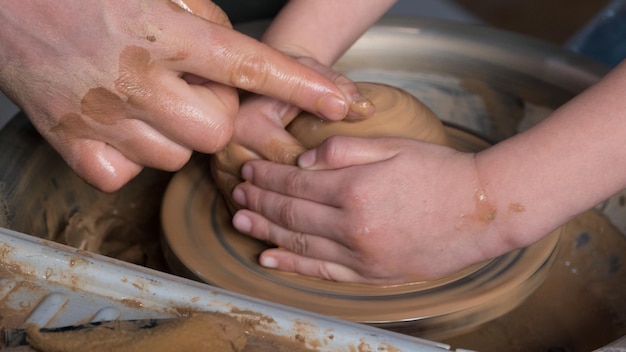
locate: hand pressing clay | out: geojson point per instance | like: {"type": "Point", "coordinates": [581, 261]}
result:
{"type": "Point", "coordinates": [398, 114]}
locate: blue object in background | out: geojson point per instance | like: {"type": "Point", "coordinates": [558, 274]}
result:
{"type": "Point", "coordinates": [604, 37]}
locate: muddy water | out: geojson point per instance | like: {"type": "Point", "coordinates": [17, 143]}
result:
{"type": "Point", "coordinates": [581, 305]}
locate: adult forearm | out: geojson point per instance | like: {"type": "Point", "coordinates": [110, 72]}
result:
{"type": "Point", "coordinates": [323, 29]}
{"type": "Point", "coordinates": [567, 164]}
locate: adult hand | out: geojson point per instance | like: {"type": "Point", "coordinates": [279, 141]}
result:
{"type": "Point", "coordinates": [259, 131]}
{"type": "Point", "coordinates": [116, 86]}
{"type": "Point", "coordinates": [386, 210]}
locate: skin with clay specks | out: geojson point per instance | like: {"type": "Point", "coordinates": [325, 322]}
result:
{"type": "Point", "coordinates": [116, 86]}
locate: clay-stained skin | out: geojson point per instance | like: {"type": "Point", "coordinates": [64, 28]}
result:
{"type": "Point", "coordinates": [73, 125]}
{"type": "Point", "coordinates": [517, 208]}
{"type": "Point", "coordinates": [106, 107]}
{"type": "Point", "coordinates": [100, 105]}
{"type": "Point", "coordinates": [135, 68]}
{"type": "Point", "coordinates": [397, 114]}
{"type": "Point", "coordinates": [284, 153]}
{"type": "Point", "coordinates": [485, 211]}
{"type": "Point", "coordinates": [362, 107]}
{"type": "Point", "coordinates": [103, 106]}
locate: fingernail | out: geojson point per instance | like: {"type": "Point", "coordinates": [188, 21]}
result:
{"type": "Point", "coordinates": [246, 172]}
{"type": "Point", "coordinates": [239, 196]}
{"type": "Point", "coordinates": [307, 159]}
{"type": "Point", "coordinates": [268, 262]}
{"type": "Point", "coordinates": [332, 107]}
{"type": "Point", "coordinates": [362, 108]}
{"type": "Point", "coordinates": [242, 223]}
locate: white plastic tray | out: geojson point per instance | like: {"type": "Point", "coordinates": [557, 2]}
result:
{"type": "Point", "coordinates": [54, 285]}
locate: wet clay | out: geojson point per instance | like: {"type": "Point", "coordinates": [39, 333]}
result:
{"type": "Point", "coordinates": [65, 209]}
{"type": "Point", "coordinates": [198, 332]}
{"type": "Point", "coordinates": [398, 114]}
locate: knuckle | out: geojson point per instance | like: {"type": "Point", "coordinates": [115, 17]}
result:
{"type": "Point", "coordinates": [342, 80]}
{"type": "Point", "coordinates": [324, 272]}
{"type": "Point", "coordinates": [98, 175]}
{"type": "Point", "coordinates": [294, 182]}
{"type": "Point", "coordinates": [332, 148]}
{"type": "Point", "coordinates": [298, 243]}
{"type": "Point", "coordinates": [176, 162]}
{"type": "Point", "coordinates": [358, 235]}
{"type": "Point", "coordinates": [286, 214]}
{"type": "Point", "coordinates": [220, 130]}
{"type": "Point", "coordinates": [249, 72]}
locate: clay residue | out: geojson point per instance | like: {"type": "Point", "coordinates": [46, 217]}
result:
{"type": "Point", "coordinates": [135, 67]}
{"type": "Point", "coordinates": [398, 114]}
{"type": "Point", "coordinates": [517, 207]}
{"type": "Point", "coordinates": [485, 211]}
{"type": "Point", "coordinates": [65, 209]}
{"type": "Point", "coordinates": [199, 332]}
{"type": "Point", "coordinates": [362, 107]}
{"type": "Point", "coordinates": [72, 125]}
{"type": "Point", "coordinates": [102, 105]}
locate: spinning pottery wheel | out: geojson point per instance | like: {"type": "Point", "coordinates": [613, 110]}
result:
{"type": "Point", "coordinates": [201, 243]}
{"type": "Point", "coordinates": [204, 245]}
{"type": "Point", "coordinates": [477, 86]}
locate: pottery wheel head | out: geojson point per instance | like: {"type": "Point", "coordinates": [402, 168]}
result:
{"type": "Point", "coordinates": [201, 243]}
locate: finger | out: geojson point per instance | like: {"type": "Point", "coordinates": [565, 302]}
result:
{"type": "Point", "coordinates": [360, 106]}
{"type": "Point", "coordinates": [132, 138]}
{"type": "Point", "coordinates": [260, 128]}
{"type": "Point", "coordinates": [234, 59]}
{"type": "Point", "coordinates": [298, 252]}
{"type": "Point", "coordinates": [145, 146]}
{"type": "Point", "coordinates": [100, 165]}
{"type": "Point", "coordinates": [305, 244]}
{"type": "Point", "coordinates": [283, 260]}
{"type": "Point", "coordinates": [340, 152]}
{"type": "Point", "coordinates": [199, 117]}
{"type": "Point", "coordinates": [297, 214]}
{"type": "Point", "coordinates": [316, 186]}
